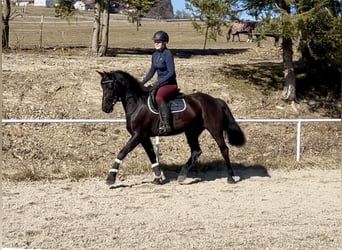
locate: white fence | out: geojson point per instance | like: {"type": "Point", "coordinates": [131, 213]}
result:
{"type": "Point", "coordinates": [298, 122]}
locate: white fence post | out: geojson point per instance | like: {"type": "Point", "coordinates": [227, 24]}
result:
{"type": "Point", "coordinates": [157, 148]}
{"type": "Point", "coordinates": [298, 141]}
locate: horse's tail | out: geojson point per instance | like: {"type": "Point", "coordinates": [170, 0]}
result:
{"type": "Point", "coordinates": [236, 137]}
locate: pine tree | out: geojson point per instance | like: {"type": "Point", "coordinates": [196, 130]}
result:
{"type": "Point", "coordinates": [314, 23]}
{"type": "Point", "coordinates": [209, 16]}
{"type": "Point", "coordinates": [142, 7]}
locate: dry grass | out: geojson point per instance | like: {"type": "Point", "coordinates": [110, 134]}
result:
{"type": "Point", "coordinates": [54, 82]}
{"type": "Point", "coordinates": [57, 33]}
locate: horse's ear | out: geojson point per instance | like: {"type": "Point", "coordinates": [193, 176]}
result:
{"type": "Point", "coordinates": [102, 74]}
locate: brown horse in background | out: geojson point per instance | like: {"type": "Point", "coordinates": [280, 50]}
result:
{"type": "Point", "coordinates": [241, 28]}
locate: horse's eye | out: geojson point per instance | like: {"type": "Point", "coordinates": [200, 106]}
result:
{"type": "Point", "coordinates": [107, 86]}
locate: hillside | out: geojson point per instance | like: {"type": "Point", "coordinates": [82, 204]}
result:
{"type": "Point", "coordinates": [163, 10]}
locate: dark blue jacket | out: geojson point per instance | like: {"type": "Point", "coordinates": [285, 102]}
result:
{"type": "Point", "coordinates": [163, 64]}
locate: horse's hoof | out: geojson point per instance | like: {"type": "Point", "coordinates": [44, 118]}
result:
{"type": "Point", "coordinates": [189, 181]}
{"type": "Point", "coordinates": [181, 178]}
{"type": "Point", "coordinates": [233, 179]}
{"type": "Point", "coordinates": [110, 180]}
{"type": "Point", "coordinates": [159, 180]}
{"type": "Point", "coordinates": [156, 182]}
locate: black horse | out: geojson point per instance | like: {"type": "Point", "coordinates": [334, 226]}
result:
{"type": "Point", "coordinates": [202, 112]}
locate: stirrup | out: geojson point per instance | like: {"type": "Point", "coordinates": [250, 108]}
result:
{"type": "Point", "coordinates": [163, 129]}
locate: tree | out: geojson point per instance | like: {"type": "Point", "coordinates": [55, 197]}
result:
{"type": "Point", "coordinates": [64, 9]}
{"type": "Point", "coordinates": [285, 24]}
{"type": "Point", "coordinates": [321, 37]}
{"type": "Point", "coordinates": [99, 43]}
{"type": "Point", "coordinates": [141, 7]}
{"type": "Point", "coordinates": [320, 46]}
{"type": "Point", "coordinates": [309, 21]}
{"type": "Point", "coordinates": [211, 14]}
{"type": "Point", "coordinates": [6, 14]}
{"type": "Point", "coordinates": [289, 32]}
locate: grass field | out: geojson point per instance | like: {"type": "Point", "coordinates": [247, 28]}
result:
{"type": "Point", "coordinates": [25, 32]}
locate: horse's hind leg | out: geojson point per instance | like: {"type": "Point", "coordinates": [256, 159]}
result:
{"type": "Point", "coordinates": [196, 151]}
{"type": "Point", "coordinates": [237, 34]}
{"type": "Point", "coordinates": [159, 177]}
{"type": "Point", "coordinates": [249, 37]}
{"type": "Point", "coordinates": [225, 153]}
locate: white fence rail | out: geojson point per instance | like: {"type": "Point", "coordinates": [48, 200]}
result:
{"type": "Point", "coordinates": [298, 122]}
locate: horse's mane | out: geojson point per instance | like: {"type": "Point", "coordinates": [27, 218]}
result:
{"type": "Point", "coordinates": [131, 83]}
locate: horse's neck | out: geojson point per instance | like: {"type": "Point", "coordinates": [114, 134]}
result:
{"type": "Point", "coordinates": [131, 103]}
{"type": "Point", "coordinates": [133, 97]}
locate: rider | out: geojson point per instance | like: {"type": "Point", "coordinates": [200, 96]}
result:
{"type": "Point", "coordinates": [163, 64]}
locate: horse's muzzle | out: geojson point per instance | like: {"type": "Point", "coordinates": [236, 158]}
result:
{"type": "Point", "coordinates": [108, 108]}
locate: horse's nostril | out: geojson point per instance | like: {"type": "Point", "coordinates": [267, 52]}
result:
{"type": "Point", "coordinates": [107, 109]}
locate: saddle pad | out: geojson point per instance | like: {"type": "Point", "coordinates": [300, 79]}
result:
{"type": "Point", "coordinates": [177, 105]}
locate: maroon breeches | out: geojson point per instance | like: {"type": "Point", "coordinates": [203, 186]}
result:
{"type": "Point", "coordinates": [165, 92]}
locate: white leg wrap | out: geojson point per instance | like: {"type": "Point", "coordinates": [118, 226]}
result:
{"type": "Point", "coordinates": [113, 170]}
{"type": "Point", "coordinates": [161, 176]}
{"type": "Point", "coordinates": [155, 165]}
{"type": "Point", "coordinates": [118, 161]}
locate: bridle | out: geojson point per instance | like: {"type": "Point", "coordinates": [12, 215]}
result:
{"type": "Point", "coordinates": [115, 90]}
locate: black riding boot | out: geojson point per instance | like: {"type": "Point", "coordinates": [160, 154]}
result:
{"type": "Point", "coordinates": [165, 115]}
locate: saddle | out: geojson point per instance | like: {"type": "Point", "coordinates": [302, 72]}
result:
{"type": "Point", "coordinates": [176, 102]}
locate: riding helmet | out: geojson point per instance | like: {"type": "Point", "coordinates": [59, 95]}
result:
{"type": "Point", "coordinates": [161, 36]}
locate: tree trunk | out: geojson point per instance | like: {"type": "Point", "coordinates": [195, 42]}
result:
{"type": "Point", "coordinates": [138, 13]}
{"type": "Point", "coordinates": [96, 29]}
{"type": "Point", "coordinates": [6, 13]}
{"type": "Point", "coordinates": [104, 29]}
{"type": "Point", "coordinates": [289, 92]}
{"type": "Point", "coordinates": [99, 43]}
{"type": "Point", "coordinates": [206, 37]}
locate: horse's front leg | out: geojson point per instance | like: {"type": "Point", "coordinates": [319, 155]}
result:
{"type": "Point", "coordinates": [159, 177]}
{"type": "Point", "coordinates": [131, 144]}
